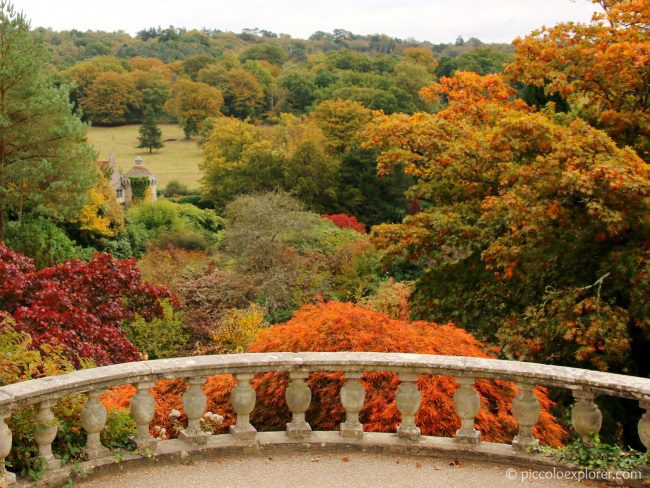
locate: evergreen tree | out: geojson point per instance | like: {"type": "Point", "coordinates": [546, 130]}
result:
{"type": "Point", "coordinates": [45, 162]}
{"type": "Point", "coordinates": [150, 135]}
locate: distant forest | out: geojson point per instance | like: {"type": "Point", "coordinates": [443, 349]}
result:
{"type": "Point", "coordinates": [116, 78]}
{"type": "Point", "coordinates": [176, 44]}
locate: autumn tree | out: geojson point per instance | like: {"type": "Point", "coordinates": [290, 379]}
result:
{"type": "Point", "coordinates": [532, 229]}
{"type": "Point", "coordinates": [151, 92]}
{"type": "Point", "coordinates": [224, 168]}
{"type": "Point", "coordinates": [193, 102]}
{"type": "Point", "coordinates": [244, 96]}
{"type": "Point", "coordinates": [602, 69]}
{"type": "Point", "coordinates": [82, 75]}
{"type": "Point", "coordinates": [215, 74]}
{"type": "Point", "coordinates": [340, 120]}
{"type": "Point", "coordinates": [102, 216]}
{"type": "Point", "coordinates": [45, 162]}
{"type": "Point", "coordinates": [110, 98]}
{"type": "Point", "coordinates": [78, 305]}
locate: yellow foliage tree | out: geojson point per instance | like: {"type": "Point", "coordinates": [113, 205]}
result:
{"type": "Point", "coordinates": [103, 216]}
{"type": "Point", "coordinates": [340, 120]}
{"type": "Point", "coordinates": [192, 102]}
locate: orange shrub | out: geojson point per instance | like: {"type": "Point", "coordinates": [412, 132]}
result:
{"type": "Point", "coordinates": [336, 326]}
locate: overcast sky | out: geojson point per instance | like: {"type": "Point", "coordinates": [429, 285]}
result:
{"type": "Point", "coordinates": [433, 20]}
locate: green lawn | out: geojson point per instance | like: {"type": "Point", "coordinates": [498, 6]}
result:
{"type": "Point", "coordinates": [178, 160]}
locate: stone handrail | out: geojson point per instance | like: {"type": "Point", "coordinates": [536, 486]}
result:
{"type": "Point", "coordinates": [44, 392]}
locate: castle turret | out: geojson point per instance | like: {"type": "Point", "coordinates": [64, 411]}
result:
{"type": "Point", "coordinates": [139, 171]}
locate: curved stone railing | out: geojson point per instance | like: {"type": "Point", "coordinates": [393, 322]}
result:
{"type": "Point", "coordinates": [43, 394]}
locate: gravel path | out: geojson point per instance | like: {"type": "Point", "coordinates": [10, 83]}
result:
{"type": "Point", "coordinates": [297, 469]}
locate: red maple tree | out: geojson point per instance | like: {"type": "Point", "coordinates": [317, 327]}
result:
{"type": "Point", "coordinates": [79, 304]}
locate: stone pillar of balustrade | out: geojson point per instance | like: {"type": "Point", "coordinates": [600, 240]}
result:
{"type": "Point", "coordinates": [408, 399]}
{"type": "Point", "coordinates": [353, 394]}
{"type": "Point", "coordinates": [644, 423]}
{"type": "Point", "coordinates": [194, 403]}
{"type": "Point", "coordinates": [45, 429]}
{"type": "Point", "coordinates": [468, 404]}
{"type": "Point", "coordinates": [93, 420]}
{"type": "Point", "coordinates": [143, 410]}
{"type": "Point", "coordinates": [585, 414]}
{"type": "Point", "coordinates": [298, 398]}
{"type": "Point", "coordinates": [6, 478]}
{"type": "Point", "coordinates": [243, 399]}
{"type": "Point", "coordinates": [526, 409]}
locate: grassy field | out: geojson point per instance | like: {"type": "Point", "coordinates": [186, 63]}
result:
{"type": "Point", "coordinates": [178, 160]}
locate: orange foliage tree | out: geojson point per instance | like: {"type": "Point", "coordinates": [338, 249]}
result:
{"type": "Point", "coordinates": [533, 227]}
{"type": "Point", "coordinates": [337, 326]}
{"type": "Point", "coordinates": [602, 69]}
{"type": "Point", "coordinates": [109, 98]}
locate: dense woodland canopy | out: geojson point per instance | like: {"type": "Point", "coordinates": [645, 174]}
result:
{"type": "Point", "coordinates": [259, 74]}
{"type": "Point", "coordinates": [377, 185]}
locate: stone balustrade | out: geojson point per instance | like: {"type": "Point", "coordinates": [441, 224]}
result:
{"type": "Point", "coordinates": [43, 394]}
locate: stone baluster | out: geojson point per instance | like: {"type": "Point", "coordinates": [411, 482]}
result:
{"type": "Point", "coordinates": [468, 404]}
{"type": "Point", "coordinates": [93, 420]}
{"type": "Point", "coordinates": [585, 414]}
{"type": "Point", "coordinates": [194, 403]}
{"type": "Point", "coordinates": [6, 478]}
{"type": "Point", "coordinates": [353, 395]}
{"type": "Point", "coordinates": [243, 399]}
{"type": "Point", "coordinates": [643, 426]}
{"type": "Point", "coordinates": [525, 408]}
{"type": "Point", "coordinates": [45, 432]}
{"type": "Point", "coordinates": [143, 410]}
{"type": "Point", "coordinates": [298, 397]}
{"type": "Point", "coordinates": [407, 398]}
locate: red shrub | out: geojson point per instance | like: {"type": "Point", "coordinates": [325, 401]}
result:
{"type": "Point", "coordinates": [338, 326]}
{"type": "Point", "coordinates": [345, 221]}
{"type": "Point", "coordinates": [78, 304]}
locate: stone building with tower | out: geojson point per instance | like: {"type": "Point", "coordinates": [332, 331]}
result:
{"type": "Point", "coordinates": [128, 185]}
